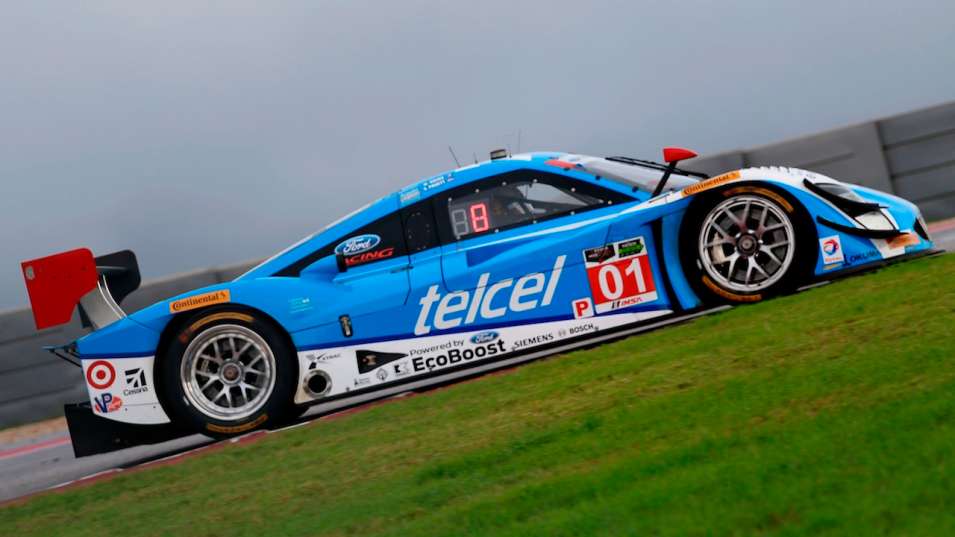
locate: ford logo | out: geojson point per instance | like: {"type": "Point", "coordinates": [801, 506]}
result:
{"type": "Point", "coordinates": [484, 337]}
{"type": "Point", "coordinates": [357, 245]}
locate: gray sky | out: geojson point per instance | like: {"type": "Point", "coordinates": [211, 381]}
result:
{"type": "Point", "coordinates": [200, 135]}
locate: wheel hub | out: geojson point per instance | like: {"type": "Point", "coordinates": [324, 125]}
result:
{"type": "Point", "coordinates": [231, 373]}
{"type": "Point", "coordinates": [747, 244]}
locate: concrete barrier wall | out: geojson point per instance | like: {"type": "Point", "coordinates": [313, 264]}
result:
{"type": "Point", "coordinates": [911, 154]}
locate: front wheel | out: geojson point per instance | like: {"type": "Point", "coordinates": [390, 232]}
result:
{"type": "Point", "coordinates": [745, 244]}
{"type": "Point", "coordinates": [227, 372]}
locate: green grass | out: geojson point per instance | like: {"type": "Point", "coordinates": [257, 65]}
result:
{"type": "Point", "coordinates": [828, 412]}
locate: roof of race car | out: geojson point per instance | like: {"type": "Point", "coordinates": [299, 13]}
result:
{"type": "Point", "coordinates": [437, 183]}
{"type": "Point", "coordinates": [411, 194]}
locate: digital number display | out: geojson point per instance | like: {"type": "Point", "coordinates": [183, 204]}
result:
{"type": "Point", "coordinates": [470, 217]}
{"type": "Point", "coordinates": [479, 219]}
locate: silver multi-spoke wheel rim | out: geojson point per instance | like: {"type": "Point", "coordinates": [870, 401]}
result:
{"type": "Point", "coordinates": [228, 372]}
{"type": "Point", "coordinates": [746, 243]}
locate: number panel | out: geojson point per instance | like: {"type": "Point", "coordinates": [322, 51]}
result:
{"type": "Point", "coordinates": [620, 275]}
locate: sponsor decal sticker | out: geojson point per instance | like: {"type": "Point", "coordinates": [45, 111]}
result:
{"type": "Point", "coordinates": [599, 254]}
{"type": "Point", "coordinates": [357, 245]}
{"type": "Point", "coordinates": [300, 304]}
{"type": "Point", "coordinates": [459, 308]}
{"type": "Point", "coordinates": [620, 281]}
{"type": "Point", "coordinates": [484, 337]}
{"type": "Point", "coordinates": [864, 256]}
{"type": "Point", "coordinates": [401, 369]}
{"type": "Point", "coordinates": [135, 381]}
{"type": "Point", "coordinates": [100, 374]}
{"type": "Point", "coordinates": [106, 403]}
{"type": "Point", "coordinates": [532, 341]}
{"type": "Point", "coordinates": [410, 195]}
{"type": "Point", "coordinates": [368, 257]}
{"type": "Point", "coordinates": [710, 183]}
{"type": "Point", "coordinates": [198, 301]}
{"type": "Point", "coordinates": [369, 360]}
{"type": "Point", "coordinates": [315, 359]}
{"type": "Point", "coordinates": [631, 247]}
{"type": "Point", "coordinates": [382, 374]}
{"type": "Point", "coordinates": [582, 329]}
{"type": "Point", "coordinates": [831, 250]}
{"type": "Point", "coordinates": [437, 347]}
{"type": "Point", "coordinates": [907, 239]}
{"type": "Point", "coordinates": [583, 307]}
{"type": "Point", "coordinates": [457, 356]}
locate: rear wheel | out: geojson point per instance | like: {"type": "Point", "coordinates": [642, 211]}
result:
{"type": "Point", "coordinates": [227, 372]}
{"type": "Point", "coordinates": [745, 244]}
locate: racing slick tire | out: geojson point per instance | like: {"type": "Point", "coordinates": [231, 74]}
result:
{"type": "Point", "coordinates": [225, 372]}
{"type": "Point", "coordinates": [745, 244]}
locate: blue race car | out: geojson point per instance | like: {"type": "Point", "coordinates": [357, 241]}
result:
{"type": "Point", "coordinates": [474, 269]}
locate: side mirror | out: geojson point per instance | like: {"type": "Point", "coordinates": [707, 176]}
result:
{"type": "Point", "coordinates": [325, 268]}
{"type": "Point", "coordinates": [676, 154]}
{"type": "Point", "coordinates": [671, 155]}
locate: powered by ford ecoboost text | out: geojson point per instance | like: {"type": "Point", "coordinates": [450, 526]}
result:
{"type": "Point", "coordinates": [474, 269]}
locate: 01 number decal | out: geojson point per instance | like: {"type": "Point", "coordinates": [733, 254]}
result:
{"type": "Point", "coordinates": [620, 275]}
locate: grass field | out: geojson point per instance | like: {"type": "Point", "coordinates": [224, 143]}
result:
{"type": "Point", "coordinates": [828, 412]}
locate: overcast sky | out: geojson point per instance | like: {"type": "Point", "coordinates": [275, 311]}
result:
{"type": "Point", "coordinates": [207, 134]}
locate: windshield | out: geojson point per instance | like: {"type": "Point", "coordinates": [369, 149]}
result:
{"type": "Point", "coordinates": [632, 172]}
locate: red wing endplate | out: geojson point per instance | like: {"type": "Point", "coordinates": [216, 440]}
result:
{"type": "Point", "coordinates": [56, 284]}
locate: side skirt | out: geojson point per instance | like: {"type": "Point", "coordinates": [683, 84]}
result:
{"type": "Point", "coordinates": [320, 407]}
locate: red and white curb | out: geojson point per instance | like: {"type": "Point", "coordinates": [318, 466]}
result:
{"type": "Point", "coordinates": [27, 449]}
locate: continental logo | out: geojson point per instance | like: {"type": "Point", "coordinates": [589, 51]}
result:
{"type": "Point", "coordinates": [762, 191]}
{"type": "Point", "coordinates": [221, 429]}
{"type": "Point", "coordinates": [712, 182]}
{"type": "Point", "coordinates": [230, 315]}
{"type": "Point", "coordinates": [198, 301]}
{"type": "Point", "coordinates": [729, 295]}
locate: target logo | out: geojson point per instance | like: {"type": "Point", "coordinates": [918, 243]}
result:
{"type": "Point", "coordinates": [100, 374]}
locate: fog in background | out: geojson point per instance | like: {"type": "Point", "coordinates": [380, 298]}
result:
{"type": "Point", "coordinates": [208, 133]}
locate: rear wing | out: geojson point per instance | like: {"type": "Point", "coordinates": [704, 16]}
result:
{"type": "Point", "coordinates": [59, 283]}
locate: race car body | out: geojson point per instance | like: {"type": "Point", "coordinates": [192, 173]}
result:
{"type": "Point", "coordinates": [465, 271]}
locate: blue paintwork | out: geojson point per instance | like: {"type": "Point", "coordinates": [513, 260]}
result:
{"type": "Point", "coordinates": [384, 298]}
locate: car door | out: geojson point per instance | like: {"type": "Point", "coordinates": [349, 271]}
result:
{"type": "Point", "coordinates": [353, 283]}
{"type": "Point", "coordinates": [514, 248]}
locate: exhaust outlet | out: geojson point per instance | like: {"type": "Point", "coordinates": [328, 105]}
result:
{"type": "Point", "coordinates": [318, 383]}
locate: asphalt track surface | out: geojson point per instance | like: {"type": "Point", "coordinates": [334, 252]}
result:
{"type": "Point", "coordinates": [46, 461]}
